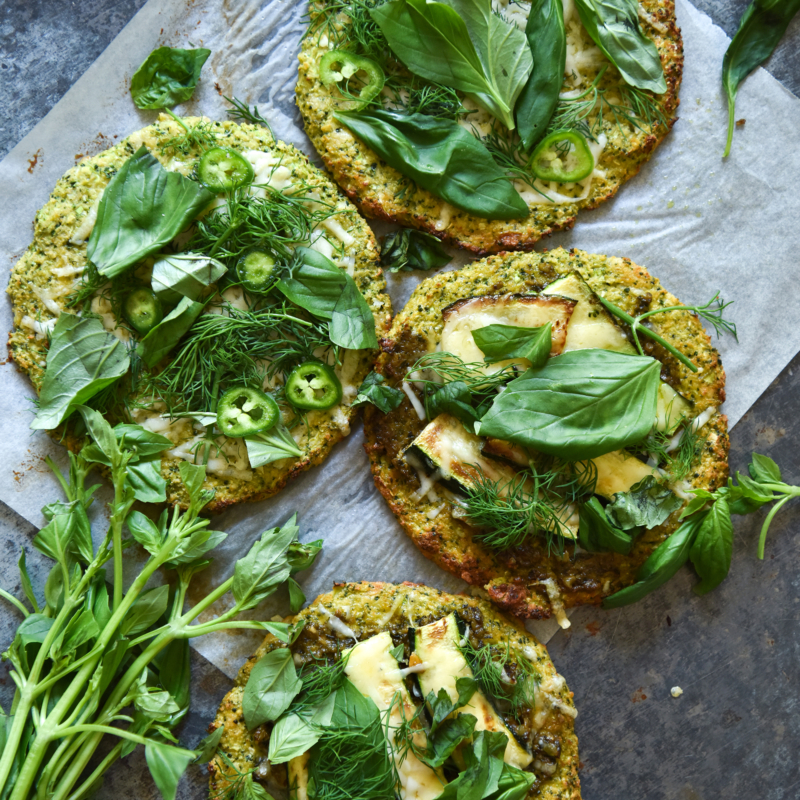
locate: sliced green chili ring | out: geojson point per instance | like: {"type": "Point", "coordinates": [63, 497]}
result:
{"type": "Point", "coordinates": [143, 310]}
{"type": "Point", "coordinates": [222, 169]}
{"type": "Point", "coordinates": [338, 68]}
{"type": "Point", "coordinates": [243, 411]}
{"type": "Point", "coordinates": [313, 386]}
{"type": "Point", "coordinates": [564, 157]}
{"type": "Point", "coordinates": [257, 270]}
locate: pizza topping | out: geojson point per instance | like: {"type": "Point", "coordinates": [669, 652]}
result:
{"type": "Point", "coordinates": [313, 386]}
{"type": "Point", "coordinates": [257, 270]}
{"type": "Point", "coordinates": [222, 169]}
{"type": "Point", "coordinates": [142, 309]}
{"type": "Point", "coordinates": [563, 156]}
{"type": "Point", "coordinates": [244, 411]}
{"type": "Point", "coordinates": [340, 67]}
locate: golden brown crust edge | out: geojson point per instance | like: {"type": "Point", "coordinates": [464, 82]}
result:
{"type": "Point", "coordinates": [516, 579]}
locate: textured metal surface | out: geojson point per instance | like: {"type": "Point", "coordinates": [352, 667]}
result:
{"type": "Point", "coordinates": [735, 653]}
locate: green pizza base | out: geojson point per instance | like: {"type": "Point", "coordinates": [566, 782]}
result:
{"type": "Point", "coordinates": [52, 266]}
{"type": "Point", "coordinates": [381, 192]}
{"type": "Point", "coordinates": [518, 579]}
{"type": "Point", "coordinates": [369, 608]}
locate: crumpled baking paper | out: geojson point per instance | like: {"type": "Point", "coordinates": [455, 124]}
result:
{"type": "Point", "coordinates": [697, 222]}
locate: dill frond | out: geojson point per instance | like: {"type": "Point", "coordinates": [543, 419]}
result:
{"type": "Point", "coordinates": [198, 137]}
{"type": "Point", "coordinates": [677, 461]}
{"type": "Point", "coordinates": [320, 680]}
{"type": "Point", "coordinates": [241, 112]}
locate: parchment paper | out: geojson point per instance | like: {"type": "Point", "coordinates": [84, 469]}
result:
{"type": "Point", "coordinates": [700, 224]}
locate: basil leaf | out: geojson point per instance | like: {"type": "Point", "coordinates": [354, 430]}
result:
{"type": "Point", "coordinates": [25, 581]}
{"type": "Point", "coordinates": [547, 39]}
{"type": "Point", "coordinates": [145, 479]}
{"type": "Point", "coordinates": [454, 398]}
{"type": "Point", "coordinates": [373, 390]}
{"type": "Point", "coordinates": [161, 339]}
{"type": "Point", "coordinates": [144, 531]}
{"type": "Point", "coordinates": [302, 555]}
{"type": "Point", "coordinates": [167, 764]}
{"type": "Point", "coordinates": [449, 734]}
{"type": "Point", "coordinates": [696, 503]}
{"type": "Point", "coordinates": [442, 157]}
{"type": "Point", "coordinates": [274, 445]}
{"type": "Point", "coordinates": [54, 539]}
{"type": "Point", "coordinates": [82, 360]}
{"type": "Point", "coordinates": [463, 45]}
{"type": "Point", "coordinates": [147, 608]}
{"type": "Point", "coordinates": [499, 342]}
{"type": "Point", "coordinates": [207, 747]}
{"type": "Point", "coordinates": [408, 249]}
{"type": "Point", "coordinates": [185, 275]}
{"type": "Point", "coordinates": [143, 208]}
{"type": "Point", "coordinates": [764, 469]}
{"type": "Point", "coordinates": [284, 631]}
{"type": "Point", "coordinates": [291, 737]}
{"type": "Point", "coordinates": [580, 405]}
{"type": "Point", "coordinates": [296, 595]}
{"type": "Point", "coordinates": [271, 687]}
{"type": "Point", "coordinates": [167, 77]}
{"type": "Point", "coordinates": [760, 29]}
{"type": "Point", "coordinates": [198, 544]}
{"type": "Point", "coordinates": [597, 534]}
{"type": "Point", "coordinates": [661, 565]}
{"type": "Point", "coordinates": [159, 706]}
{"type": "Point", "coordinates": [143, 442]}
{"type": "Point", "coordinates": [713, 547]}
{"type": "Point", "coordinates": [398, 652]}
{"type": "Point", "coordinates": [647, 504]}
{"type": "Point", "coordinates": [352, 325]}
{"type": "Point", "coordinates": [614, 27]}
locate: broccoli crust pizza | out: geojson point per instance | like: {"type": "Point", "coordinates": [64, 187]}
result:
{"type": "Point", "coordinates": [408, 145]}
{"type": "Point", "coordinates": [530, 455]}
{"type": "Point", "coordinates": [204, 281]}
{"type": "Point", "coordinates": [459, 691]}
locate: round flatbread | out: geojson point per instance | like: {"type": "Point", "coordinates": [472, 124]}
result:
{"type": "Point", "coordinates": [355, 612]}
{"type": "Point", "coordinates": [55, 265]}
{"type": "Point", "coordinates": [623, 140]}
{"type": "Point", "coordinates": [532, 580]}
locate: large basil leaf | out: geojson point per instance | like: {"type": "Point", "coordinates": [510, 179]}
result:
{"type": "Point", "coordinates": [408, 249]}
{"type": "Point", "coordinates": [167, 77]}
{"type": "Point", "coordinates": [161, 339]}
{"type": "Point", "coordinates": [499, 342]}
{"type": "Point", "coordinates": [647, 504]}
{"type": "Point", "coordinates": [461, 44]}
{"type": "Point", "coordinates": [712, 549]}
{"type": "Point", "coordinates": [143, 208]}
{"type": "Point", "coordinates": [442, 157]}
{"type": "Point", "coordinates": [547, 39]}
{"type": "Point", "coordinates": [614, 27]}
{"type": "Point", "coordinates": [316, 284]}
{"type": "Point", "coordinates": [82, 360]}
{"type": "Point", "coordinates": [185, 275]}
{"type": "Point", "coordinates": [167, 764]}
{"type": "Point", "coordinates": [271, 687]}
{"type": "Point", "coordinates": [580, 405]}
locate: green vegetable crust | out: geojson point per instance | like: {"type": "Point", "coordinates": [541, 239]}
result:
{"type": "Point", "coordinates": [51, 253]}
{"type": "Point", "coordinates": [514, 578]}
{"type": "Point", "coordinates": [369, 609]}
{"type": "Point", "coordinates": [382, 192]}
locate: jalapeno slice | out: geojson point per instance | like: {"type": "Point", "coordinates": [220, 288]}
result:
{"type": "Point", "coordinates": [563, 156]}
{"type": "Point", "coordinates": [338, 68]}
{"type": "Point", "coordinates": [243, 411]}
{"type": "Point", "coordinates": [143, 310]}
{"type": "Point", "coordinates": [313, 386]}
{"type": "Point", "coordinates": [257, 270]}
{"type": "Point", "coordinates": [222, 169]}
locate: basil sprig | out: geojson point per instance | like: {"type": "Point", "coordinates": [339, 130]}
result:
{"type": "Point", "coordinates": [614, 27]}
{"type": "Point", "coordinates": [760, 29]}
{"type": "Point", "coordinates": [580, 405]}
{"type": "Point", "coordinates": [442, 157]}
{"type": "Point", "coordinates": [167, 76]}
{"type": "Point", "coordinates": [461, 44]}
{"type": "Point", "coordinates": [143, 208]}
{"type": "Point", "coordinates": [83, 359]}
{"type": "Point", "coordinates": [547, 39]}
{"type": "Point", "coordinates": [408, 249]}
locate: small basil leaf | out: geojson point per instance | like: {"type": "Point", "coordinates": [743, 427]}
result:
{"type": "Point", "coordinates": [398, 652]}
{"type": "Point", "coordinates": [499, 342]}
{"type": "Point", "coordinates": [284, 631]}
{"type": "Point", "coordinates": [713, 547]}
{"type": "Point", "coordinates": [696, 503]}
{"type": "Point", "coordinates": [301, 556]}
{"type": "Point", "coordinates": [296, 596]}
{"type": "Point", "coordinates": [647, 504]}
{"type": "Point", "coordinates": [313, 282]}
{"type": "Point", "coordinates": [146, 481]}
{"type": "Point", "coordinates": [174, 674]}
{"type": "Point", "coordinates": [764, 469]}
{"type": "Point", "coordinates": [185, 275]}
{"type": "Point", "coordinates": [143, 208]}
{"type": "Point", "coordinates": [291, 737]}
{"type": "Point", "coordinates": [442, 157]}
{"type": "Point", "coordinates": [164, 336]}
{"type": "Point", "coordinates": [156, 705]}
{"type": "Point", "coordinates": [167, 764]}
{"type": "Point", "coordinates": [597, 534]}
{"type": "Point", "coordinates": [147, 608]}
{"type": "Point", "coordinates": [143, 442]}
{"type": "Point", "coordinates": [271, 687]}
{"type": "Point", "coordinates": [197, 545]}
{"type": "Point", "coordinates": [449, 735]}
{"type": "Point", "coordinates": [352, 325]}
{"type": "Point", "coordinates": [167, 76]}
{"type": "Point", "coordinates": [580, 405]}
{"type": "Point", "coordinates": [207, 747]}
{"type": "Point", "coordinates": [54, 539]}
{"type": "Point", "coordinates": [81, 629]}
{"type": "Point", "coordinates": [373, 390]}
{"type": "Point", "coordinates": [408, 249]}
{"type": "Point", "coordinates": [274, 445]}
{"type": "Point", "coordinates": [25, 581]}
{"type": "Point", "coordinates": [452, 398]}
{"type": "Point", "coordinates": [82, 360]}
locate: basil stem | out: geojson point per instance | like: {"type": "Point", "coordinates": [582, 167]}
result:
{"type": "Point", "coordinates": [760, 29]}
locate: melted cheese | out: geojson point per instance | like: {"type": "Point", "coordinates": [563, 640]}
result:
{"type": "Point", "coordinates": [618, 472]}
{"type": "Point", "coordinates": [373, 670]}
{"type": "Point", "coordinates": [84, 230]}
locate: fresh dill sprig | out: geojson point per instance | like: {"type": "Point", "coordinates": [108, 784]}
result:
{"type": "Point", "coordinates": [679, 458]}
{"type": "Point", "coordinates": [510, 681]}
{"type": "Point", "coordinates": [198, 137]}
{"type": "Point", "coordinates": [536, 502]}
{"type": "Point", "coordinates": [238, 782]}
{"type": "Point", "coordinates": [320, 680]}
{"type": "Point", "coordinates": [241, 347]}
{"type": "Point", "coordinates": [434, 369]}
{"type": "Point", "coordinates": [241, 112]}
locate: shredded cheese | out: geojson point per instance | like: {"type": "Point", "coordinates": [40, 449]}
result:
{"type": "Point", "coordinates": [418, 407]}
{"type": "Point", "coordinates": [340, 628]}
